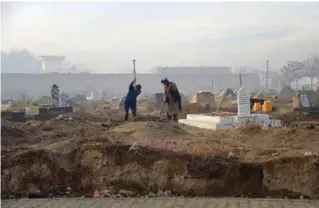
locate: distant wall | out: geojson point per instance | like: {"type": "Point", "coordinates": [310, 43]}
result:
{"type": "Point", "coordinates": [208, 70]}
{"type": "Point", "coordinates": [250, 81]}
{"type": "Point", "coordinates": [114, 83]}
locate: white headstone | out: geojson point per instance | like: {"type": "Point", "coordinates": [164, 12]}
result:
{"type": "Point", "coordinates": [304, 101]}
{"type": "Point", "coordinates": [243, 102]}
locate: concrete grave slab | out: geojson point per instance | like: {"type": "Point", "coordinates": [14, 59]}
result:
{"type": "Point", "coordinates": [213, 119]}
{"type": "Point", "coordinates": [206, 125]}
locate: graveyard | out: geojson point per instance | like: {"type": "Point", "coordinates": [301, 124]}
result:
{"type": "Point", "coordinates": [219, 147]}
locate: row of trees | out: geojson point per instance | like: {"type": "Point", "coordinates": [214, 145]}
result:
{"type": "Point", "coordinates": [293, 71]}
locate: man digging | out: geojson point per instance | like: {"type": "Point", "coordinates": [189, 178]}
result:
{"type": "Point", "coordinates": [130, 100]}
{"type": "Point", "coordinates": [172, 98]}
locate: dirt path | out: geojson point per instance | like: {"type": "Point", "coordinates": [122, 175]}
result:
{"type": "Point", "coordinates": [160, 203]}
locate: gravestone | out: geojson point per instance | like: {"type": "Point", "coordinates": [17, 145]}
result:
{"type": "Point", "coordinates": [228, 93]}
{"type": "Point", "coordinates": [304, 101]}
{"type": "Point", "coordinates": [243, 103]}
{"type": "Point", "coordinates": [185, 100]}
{"type": "Point", "coordinates": [285, 94]}
{"type": "Point", "coordinates": [313, 97]}
{"type": "Point", "coordinates": [204, 99]}
{"type": "Point", "coordinates": [260, 95]}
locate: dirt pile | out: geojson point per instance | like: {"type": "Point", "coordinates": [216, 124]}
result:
{"type": "Point", "coordinates": [152, 130]}
{"type": "Point", "coordinates": [11, 131]}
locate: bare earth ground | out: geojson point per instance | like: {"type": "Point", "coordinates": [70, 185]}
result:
{"type": "Point", "coordinates": [174, 202]}
{"type": "Point", "coordinates": [75, 154]}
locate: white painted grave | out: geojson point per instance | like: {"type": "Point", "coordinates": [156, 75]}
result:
{"type": "Point", "coordinates": [243, 119]}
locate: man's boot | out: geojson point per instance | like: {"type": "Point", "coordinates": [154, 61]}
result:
{"type": "Point", "coordinates": [169, 117]}
{"type": "Point", "coordinates": [175, 118]}
{"type": "Point", "coordinates": [125, 117]}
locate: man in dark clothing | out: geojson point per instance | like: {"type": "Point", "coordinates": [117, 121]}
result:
{"type": "Point", "coordinates": [130, 100]}
{"type": "Point", "coordinates": [172, 98]}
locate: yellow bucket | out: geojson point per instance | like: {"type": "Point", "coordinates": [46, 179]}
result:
{"type": "Point", "coordinates": [257, 107]}
{"type": "Point", "coordinates": [267, 107]}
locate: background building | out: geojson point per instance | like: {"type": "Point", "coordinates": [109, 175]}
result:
{"type": "Point", "coordinates": [52, 63]}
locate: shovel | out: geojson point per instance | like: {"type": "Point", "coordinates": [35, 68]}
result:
{"type": "Point", "coordinates": [160, 115]}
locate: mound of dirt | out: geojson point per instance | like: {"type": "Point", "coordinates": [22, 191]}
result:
{"type": "Point", "coordinates": [11, 131]}
{"type": "Point", "coordinates": [151, 130]}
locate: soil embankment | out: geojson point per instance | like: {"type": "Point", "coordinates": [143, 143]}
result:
{"type": "Point", "coordinates": [77, 154]}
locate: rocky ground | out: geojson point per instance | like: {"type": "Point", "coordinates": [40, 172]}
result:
{"type": "Point", "coordinates": [78, 153]}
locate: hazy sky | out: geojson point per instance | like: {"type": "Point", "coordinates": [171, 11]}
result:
{"type": "Point", "coordinates": [106, 36]}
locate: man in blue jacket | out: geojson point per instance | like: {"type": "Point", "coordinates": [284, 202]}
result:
{"type": "Point", "coordinates": [130, 100]}
{"type": "Point", "coordinates": [172, 98]}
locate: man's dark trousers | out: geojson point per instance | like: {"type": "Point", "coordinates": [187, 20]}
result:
{"type": "Point", "coordinates": [127, 107]}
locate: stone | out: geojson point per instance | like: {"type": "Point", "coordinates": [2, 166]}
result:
{"type": "Point", "coordinates": [205, 124]}
{"type": "Point", "coordinates": [313, 98]}
{"type": "Point", "coordinates": [132, 194]}
{"type": "Point", "coordinates": [285, 94]}
{"type": "Point", "coordinates": [124, 193]}
{"type": "Point", "coordinates": [106, 193]}
{"type": "Point", "coordinates": [204, 99]}
{"type": "Point", "coordinates": [151, 194]}
{"type": "Point", "coordinates": [243, 102]}
{"type": "Point", "coordinates": [229, 122]}
{"type": "Point", "coordinates": [213, 119]}
{"type": "Point", "coordinates": [185, 100]}
{"type": "Point", "coordinates": [167, 193]}
{"type": "Point", "coordinates": [260, 95]}
{"type": "Point", "coordinates": [230, 154]}
{"type": "Point", "coordinates": [160, 193]}
{"type": "Point", "coordinates": [228, 93]}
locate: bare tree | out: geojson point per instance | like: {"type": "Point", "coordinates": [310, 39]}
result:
{"type": "Point", "coordinates": [311, 65]}
{"type": "Point", "coordinates": [292, 71]}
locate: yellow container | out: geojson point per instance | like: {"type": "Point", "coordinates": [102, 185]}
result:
{"type": "Point", "coordinates": [257, 107]}
{"type": "Point", "coordinates": [267, 107]}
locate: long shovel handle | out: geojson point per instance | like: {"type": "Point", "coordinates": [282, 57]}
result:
{"type": "Point", "coordinates": [163, 105]}
{"type": "Point", "coordinates": [161, 110]}
{"type": "Point", "coordinates": [134, 71]}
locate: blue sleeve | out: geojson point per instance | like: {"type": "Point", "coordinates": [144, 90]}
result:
{"type": "Point", "coordinates": [131, 87]}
